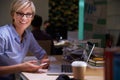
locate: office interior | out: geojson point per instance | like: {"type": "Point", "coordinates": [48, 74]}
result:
{"type": "Point", "coordinates": [100, 17]}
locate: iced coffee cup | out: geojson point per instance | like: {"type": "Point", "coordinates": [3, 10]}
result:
{"type": "Point", "coordinates": [79, 69]}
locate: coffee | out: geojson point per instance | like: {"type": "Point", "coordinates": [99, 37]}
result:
{"type": "Point", "coordinates": [79, 69]}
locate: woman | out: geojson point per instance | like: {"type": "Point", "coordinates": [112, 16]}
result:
{"type": "Point", "coordinates": [16, 40]}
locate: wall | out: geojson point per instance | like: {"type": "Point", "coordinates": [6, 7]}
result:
{"type": "Point", "coordinates": [4, 12]}
{"type": "Point", "coordinates": [113, 14]}
{"type": "Point", "coordinates": [113, 18]}
{"type": "Point", "coordinates": [95, 20]}
{"type": "Point", "coordinates": [41, 8]}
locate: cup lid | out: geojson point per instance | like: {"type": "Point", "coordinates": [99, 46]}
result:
{"type": "Point", "coordinates": [79, 63]}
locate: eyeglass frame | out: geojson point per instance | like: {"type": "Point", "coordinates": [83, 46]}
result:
{"type": "Point", "coordinates": [27, 15]}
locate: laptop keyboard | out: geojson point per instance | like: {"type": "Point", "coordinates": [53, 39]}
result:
{"type": "Point", "coordinates": [66, 68]}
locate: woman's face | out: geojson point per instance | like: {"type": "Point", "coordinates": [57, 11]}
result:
{"type": "Point", "coordinates": [22, 18]}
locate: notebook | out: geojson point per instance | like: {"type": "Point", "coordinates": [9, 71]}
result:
{"type": "Point", "coordinates": [57, 69]}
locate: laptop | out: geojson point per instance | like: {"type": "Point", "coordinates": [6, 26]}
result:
{"type": "Point", "coordinates": [65, 67]}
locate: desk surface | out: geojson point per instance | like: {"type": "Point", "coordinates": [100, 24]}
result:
{"type": "Point", "coordinates": [91, 74]}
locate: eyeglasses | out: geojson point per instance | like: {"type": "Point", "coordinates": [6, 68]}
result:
{"type": "Point", "coordinates": [28, 15]}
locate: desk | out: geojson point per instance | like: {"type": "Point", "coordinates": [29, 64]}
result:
{"type": "Point", "coordinates": [91, 74]}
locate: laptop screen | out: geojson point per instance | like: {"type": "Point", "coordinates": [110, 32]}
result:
{"type": "Point", "coordinates": [89, 50]}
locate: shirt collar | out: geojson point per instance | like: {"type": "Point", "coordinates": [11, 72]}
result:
{"type": "Point", "coordinates": [16, 35]}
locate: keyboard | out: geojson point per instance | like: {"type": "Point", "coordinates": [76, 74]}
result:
{"type": "Point", "coordinates": [66, 68]}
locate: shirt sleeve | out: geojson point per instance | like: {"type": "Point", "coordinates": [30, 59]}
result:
{"type": "Point", "coordinates": [2, 42]}
{"type": "Point", "coordinates": [35, 48]}
{"type": "Point", "coordinates": [4, 57]}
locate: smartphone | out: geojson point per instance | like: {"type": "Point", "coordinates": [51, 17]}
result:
{"type": "Point", "coordinates": [42, 64]}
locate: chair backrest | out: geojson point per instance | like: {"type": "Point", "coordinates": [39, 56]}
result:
{"type": "Point", "coordinates": [47, 45]}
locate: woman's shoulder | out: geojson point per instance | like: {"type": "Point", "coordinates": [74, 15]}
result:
{"type": "Point", "coordinates": [4, 28]}
{"type": "Point", "coordinates": [4, 31]}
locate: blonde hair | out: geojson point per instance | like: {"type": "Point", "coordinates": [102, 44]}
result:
{"type": "Point", "coordinates": [17, 5]}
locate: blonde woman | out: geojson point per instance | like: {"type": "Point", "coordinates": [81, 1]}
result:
{"type": "Point", "coordinates": [16, 40]}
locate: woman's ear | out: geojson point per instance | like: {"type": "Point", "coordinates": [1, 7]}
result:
{"type": "Point", "coordinates": [12, 14]}
{"type": "Point", "coordinates": [33, 17]}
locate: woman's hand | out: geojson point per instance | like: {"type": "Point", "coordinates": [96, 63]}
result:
{"type": "Point", "coordinates": [29, 66]}
{"type": "Point", "coordinates": [45, 61]}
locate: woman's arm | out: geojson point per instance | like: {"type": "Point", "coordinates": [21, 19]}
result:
{"type": "Point", "coordinates": [23, 67]}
